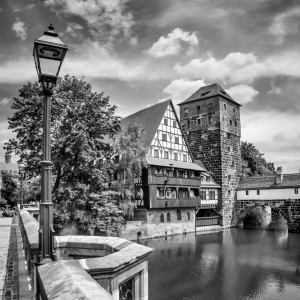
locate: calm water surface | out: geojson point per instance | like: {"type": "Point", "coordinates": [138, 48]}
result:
{"type": "Point", "coordinates": [235, 264]}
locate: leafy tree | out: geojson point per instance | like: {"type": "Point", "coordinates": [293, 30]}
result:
{"type": "Point", "coordinates": [253, 161]}
{"type": "Point", "coordinates": [132, 160]}
{"type": "Point", "coordinates": [255, 217]}
{"type": "Point", "coordinates": [9, 189]}
{"type": "Point", "coordinates": [80, 120]}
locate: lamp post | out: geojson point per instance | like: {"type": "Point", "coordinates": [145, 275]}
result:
{"type": "Point", "coordinates": [21, 172]}
{"type": "Point", "coordinates": [49, 52]}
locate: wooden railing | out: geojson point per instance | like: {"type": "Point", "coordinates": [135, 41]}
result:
{"type": "Point", "coordinates": [207, 221]}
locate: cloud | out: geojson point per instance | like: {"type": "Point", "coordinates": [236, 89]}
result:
{"type": "Point", "coordinates": [106, 20]}
{"type": "Point", "coordinates": [74, 30]}
{"type": "Point", "coordinates": [20, 29]}
{"type": "Point", "coordinates": [172, 44]}
{"type": "Point", "coordinates": [180, 89]}
{"type": "Point", "coordinates": [5, 101]}
{"type": "Point", "coordinates": [287, 159]}
{"type": "Point", "coordinates": [29, 6]}
{"type": "Point", "coordinates": [235, 67]}
{"type": "Point", "coordinates": [285, 24]}
{"type": "Point", "coordinates": [279, 137]}
{"type": "Point", "coordinates": [242, 93]}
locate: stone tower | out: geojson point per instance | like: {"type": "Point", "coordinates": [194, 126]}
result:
{"type": "Point", "coordinates": [211, 122]}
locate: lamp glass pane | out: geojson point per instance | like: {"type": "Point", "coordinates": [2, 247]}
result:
{"type": "Point", "coordinates": [49, 66]}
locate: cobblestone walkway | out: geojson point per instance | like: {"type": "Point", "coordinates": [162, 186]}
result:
{"type": "Point", "coordinates": [9, 282]}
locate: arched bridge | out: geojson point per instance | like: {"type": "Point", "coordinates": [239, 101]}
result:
{"type": "Point", "coordinates": [288, 208]}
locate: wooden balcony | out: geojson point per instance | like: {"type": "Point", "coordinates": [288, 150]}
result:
{"type": "Point", "coordinates": [175, 181]}
{"type": "Point", "coordinates": [184, 202]}
{"type": "Point", "coordinates": [207, 221]}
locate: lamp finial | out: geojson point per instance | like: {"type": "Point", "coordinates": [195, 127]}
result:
{"type": "Point", "coordinates": [51, 27]}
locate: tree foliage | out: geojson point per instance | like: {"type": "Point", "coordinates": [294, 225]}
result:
{"type": "Point", "coordinates": [253, 162]}
{"type": "Point", "coordinates": [132, 160]}
{"type": "Point", "coordinates": [9, 189]}
{"type": "Point", "coordinates": [80, 120]}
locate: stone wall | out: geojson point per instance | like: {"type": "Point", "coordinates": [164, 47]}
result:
{"type": "Point", "coordinates": [153, 227]}
{"type": "Point", "coordinates": [215, 140]}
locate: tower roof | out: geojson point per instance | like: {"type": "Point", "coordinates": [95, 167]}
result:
{"type": "Point", "coordinates": [209, 91]}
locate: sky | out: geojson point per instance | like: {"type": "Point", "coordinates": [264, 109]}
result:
{"type": "Point", "coordinates": [142, 52]}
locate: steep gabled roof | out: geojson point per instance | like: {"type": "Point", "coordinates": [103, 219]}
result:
{"type": "Point", "coordinates": [269, 182]}
{"type": "Point", "coordinates": [150, 117]}
{"type": "Point", "coordinates": [209, 91]}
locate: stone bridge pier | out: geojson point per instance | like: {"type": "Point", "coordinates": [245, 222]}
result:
{"type": "Point", "coordinates": [288, 208]}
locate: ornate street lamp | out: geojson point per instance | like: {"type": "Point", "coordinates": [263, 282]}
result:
{"type": "Point", "coordinates": [49, 52]}
{"type": "Point", "coordinates": [22, 173]}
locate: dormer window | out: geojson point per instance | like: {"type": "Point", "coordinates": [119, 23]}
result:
{"type": "Point", "coordinates": [207, 178]}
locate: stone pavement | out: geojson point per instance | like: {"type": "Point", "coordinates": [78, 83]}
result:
{"type": "Point", "coordinates": [9, 282]}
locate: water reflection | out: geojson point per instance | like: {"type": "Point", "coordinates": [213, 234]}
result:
{"type": "Point", "coordinates": [233, 264]}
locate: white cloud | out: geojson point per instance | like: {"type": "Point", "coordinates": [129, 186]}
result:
{"type": "Point", "coordinates": [242, 93]}
{"type": "Point", "coordinates": [180, 89]}
{"type": "Point", "coordinates": [74, 30]}
{"type": "Point", "coordinates": [29, 6]}
{"type": "Point", "coordinates": [20, 29]}
{"type": "Point", "coordinates": [279, 137]}
{"type": "Point", "coordinates": [5, 101]}
{"type": "Point", "coordinates": [287, 159]}
{"type": "Point", "coordinates": [235, 67]}
{"type": "Point", "coordinates": [285, 24]}
{"type": "Point", "coordinates": [106, 20]}
{"type": "Point", "coordinates": [172, 44]}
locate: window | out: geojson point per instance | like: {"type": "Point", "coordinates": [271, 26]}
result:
{"type": "Point", "coordinates": [228, 135]}
{"type": "Point", "coordinates": [235, 123]}
{"type": "Point", "coordinates": [233, 110]}
{"type": "Point", "coordinates": [209, 105]}
{"type": "Point", "coordinates": [230, 122]}
{"type": "Point", "coordinates": [228, 149]}
{"type": "Point", "coordinates": [188, 215]}
{"type": "Point", "coordinates": [159, 171]}
{"type": "Point", "coordinates": [208, 179]}
{"type": "Point", "coordinates": [162, 218]}
{"type": "Point", "coordinates": [258, 192]}
{"type": "Point", "coordinates": [168, 217]}
{"type": "Point", "coordinates": [164, 136]}
{"type": "Point", "coordinates": [188, 123]}
{"type": "Point", "coordinates": [212, 195]}
{"type": "Point", "coordinates": [198, 108]}
{"type": "Point", "coordinates": [186, 111]}
{"type": "Point", "coordinates": [199, 121]}
{"type": "Point", "coordinates": [165, 121]}
{"type": "Point", "coordinates": [225, 106]}
{"type": "Point", "coordinates": [166, 155]}
{"type": "Point", "coordinates": [174, 124]}
{"type": "Point", "coordinates": [178, 215]}
{"type": "Point", "coordinates": [210, 120]}
{"type": "Point", "coordinates": [156, 153]}
{"type": "Point", "coordinates": [296, 190]}
{"type": "Point", "coordinates": [232, 164]}
{"type": "Point", "coordinates": [117, 159]}
{"type": "Point", "coordinates": [184, 157]}
{"type": "Point", "coordinates": [176, 139]}
{"type": "Point", "coordinates": [229, 192]}
{"type": "Point", "coordinates": [229, 177]}
{"type": "Point", "coordinates": [176, 156]}
{"type": "Point", "coordinates": [203, 195]}
{"type": "Point", "coordinates": [160, 192]}
{"type": "Point", "coordinates": [247, 193]}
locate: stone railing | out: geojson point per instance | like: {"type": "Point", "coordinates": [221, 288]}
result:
{"type": "Point", "coordinates": [89, 266]}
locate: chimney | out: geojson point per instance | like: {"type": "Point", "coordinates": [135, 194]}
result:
{"type": "Point", "coordinates": [279, 175]}
{"type": "Point", "coordinates": [7, 158]}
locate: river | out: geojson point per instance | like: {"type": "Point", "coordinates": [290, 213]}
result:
{"type": "Point", "coordinates": [234, 264]}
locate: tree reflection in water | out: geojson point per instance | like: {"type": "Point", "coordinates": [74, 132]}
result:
{"type": "Point", "coordinates": [125, 290]}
